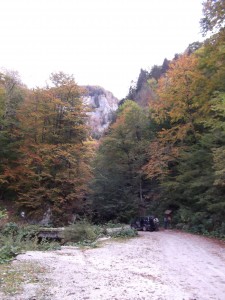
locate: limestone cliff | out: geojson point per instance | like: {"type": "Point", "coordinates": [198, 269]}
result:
{"type": "Point", "coordinates": [103, 105]}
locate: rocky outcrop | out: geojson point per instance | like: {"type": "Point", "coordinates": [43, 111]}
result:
{"type": "Point", "coordinates": [102, 105]}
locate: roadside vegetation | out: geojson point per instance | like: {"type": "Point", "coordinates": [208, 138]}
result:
{"type": "Point", "coordinates": [16, 239]}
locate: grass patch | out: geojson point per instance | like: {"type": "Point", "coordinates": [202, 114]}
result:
{"type": "Point", "coordinates": [14, 276]}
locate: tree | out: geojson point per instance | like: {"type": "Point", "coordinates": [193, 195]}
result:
{"type": "Point", "coordinates": [214, 15]}
{"type": "Point", "coordinates": [119, 184]}
{"type": "Point", "coordinates": [56, 152]}
{"type": "Point", "coordinates": [12, 94]}
{"type": "Point", "coordinates": [179, 110]}
{"type": "Point", "coordinates": [186, 156]}
{"type": "Point", "coordinates": [142, 78]}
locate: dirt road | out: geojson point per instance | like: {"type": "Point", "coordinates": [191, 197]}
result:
{"type": "Point", "coordinates": [161, 265]}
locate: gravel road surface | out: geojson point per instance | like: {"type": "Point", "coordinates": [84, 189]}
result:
{"type": "Point", "coordinates": [164, 265]}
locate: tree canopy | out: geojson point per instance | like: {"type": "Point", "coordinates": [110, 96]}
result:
{"type": "Point", "coordinates": [165, 148]}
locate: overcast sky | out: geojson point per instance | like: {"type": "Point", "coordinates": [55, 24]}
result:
{"type": "Point", "coordinates": [100, 42]}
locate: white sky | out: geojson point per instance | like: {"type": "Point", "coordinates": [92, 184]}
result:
{"type": "Point", "coordinates": [101, 42]}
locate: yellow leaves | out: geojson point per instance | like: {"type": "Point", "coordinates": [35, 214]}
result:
{"type": "Point", "coordinates": [13, 177]}
{"type": "Point", "coordinates": [54, 115]}
{"type": "Point", "coordinates": [183, 95]}
{"type": "Point", "coordinates": [160, 155]}
{"type": "Point", "coordinates": [177, 112]}
{"type": "Point", "coordinates": [181, 83]}
{"type": "Point", "coordinates": [51, 164]}
{"type": "Point", "coordinates": [156, 167]}
{"type": "Point", "coordinates": [182, 99]}
{"type": "Point", "coordinates": [175, 134]}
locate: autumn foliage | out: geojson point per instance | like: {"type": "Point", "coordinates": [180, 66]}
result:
{"type": "Point", "coordinates": [167, 154]}
{"type": "Point", "coordinates": [51, 170]}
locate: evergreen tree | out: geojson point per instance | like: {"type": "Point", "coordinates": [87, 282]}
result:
{"type": "Point", "coordinates": [119, 183]}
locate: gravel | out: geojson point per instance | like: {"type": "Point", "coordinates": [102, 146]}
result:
{"type": "Point", "coordinates": [167, 264]}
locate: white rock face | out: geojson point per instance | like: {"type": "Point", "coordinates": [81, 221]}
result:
{"type": "Point", "coordinates": [103, 105]}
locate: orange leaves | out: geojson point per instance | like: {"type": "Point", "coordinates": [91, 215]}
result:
{"type": "Point", "coordinates": [160, 154]}
{"type": "Point", "coordinates": [55, 115]}
{"type": "Point", "coordinates": [182, 95]}
{"type": "Point", "coordinates": [157, 165]}
{"type": "Point", "coordinates": [54, 149]}
{"type": "Point", "coordinates": [177, 134]}
{"type": "Point", "coordinates": [179, 91]}
{"type": "Point", "coordinates": [180, 107]}
{"type": "Point", "coordinates": [14, 177]}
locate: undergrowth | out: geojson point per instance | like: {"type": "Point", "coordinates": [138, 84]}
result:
{"type": "Point", "coordinates": [199, 223]}
{"type": "Point", "coordinates": [124, 233]}
{"type": "Point", "coordinates": [84, 234]}
{"type": "Point", "coordinates": [15, 239]}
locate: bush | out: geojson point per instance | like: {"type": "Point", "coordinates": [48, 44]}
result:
{"type": "Point", "coordinates": [80, 232]}
{"type": "Point", "coordinates": [15, 240]}
{"type": "Point", "coordinates": [8, 251]}
{"type": "Point", "coordinates": [111, 224]}
{"type": "Point", "coordinates": [124, 233]}
{"type": "Point", "coordinates": [10, 228]}
{"type": "Point", "coordinates": [199, 223]}
{"type": "Point", "coordinates": [3, 214]}
{"type": "Point", "coordinates": [3, 218]}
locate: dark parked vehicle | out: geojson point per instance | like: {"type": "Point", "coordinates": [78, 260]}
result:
{"type": "Point", "coordinates": [148, 223]}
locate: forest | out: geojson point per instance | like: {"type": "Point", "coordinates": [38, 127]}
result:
{"type": "Point", "coordinates": [166, 154]}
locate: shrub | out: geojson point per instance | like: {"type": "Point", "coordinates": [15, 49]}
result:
{"type": "Point", "coordinates": [3, 214]}
{"type": "Point", "coordinates": [15, 240]}
{"type": "Point", "coordinates": [80, 232]}
{"type": "Point", "coordinates": [3, 218]}
{"type": "Point", "coordinates": [10, 228]}
{"type": "Point", "coordinates": [111, 224]}
{"type": "Point", "coordinates": [124, 233]}
{"type": "Point", "coordinates": [8, 251]}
